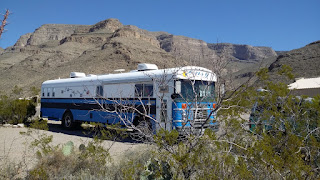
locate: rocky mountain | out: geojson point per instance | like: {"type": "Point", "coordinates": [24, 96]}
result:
{"type": "Point", "coordinates": [243, 52]}
{"type": "Point", "coordinates": [55, 50]}
{"type": "Point", "coordinates": [304, 61]}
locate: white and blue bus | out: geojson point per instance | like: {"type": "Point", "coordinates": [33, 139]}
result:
{"type": "Point", "coordinates": [176, 98]}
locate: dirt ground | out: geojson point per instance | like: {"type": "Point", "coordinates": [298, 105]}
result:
{"type": "Point", "coordinates": [15, 147]}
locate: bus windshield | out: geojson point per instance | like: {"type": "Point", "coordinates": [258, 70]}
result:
{"type": "Point", "coordinates": [200, 91]}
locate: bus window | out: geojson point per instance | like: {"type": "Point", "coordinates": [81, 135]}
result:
{"type": "Point", "coordinates": [49, 91]}
{"type": "Point", "coordinates": [139, 90]}
{"type": "Point", "coordinates": [143, 90]}
{"type": "Point", "coordinates": [99, 92]}
{"type": "Point", "coordinates": [148, 90]}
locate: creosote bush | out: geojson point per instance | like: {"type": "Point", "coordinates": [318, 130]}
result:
{"type": "Point", "coordinates": [15, 110]}
{"type": "Point", "coordinates": [54, 163]}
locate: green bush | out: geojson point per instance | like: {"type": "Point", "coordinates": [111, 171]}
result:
{"type": "Point", "coordinates": [16, 110]}
{"type": "Point", "coordinates": [66, 162]}
{"type": "Point", "coordinates": [5, 109]}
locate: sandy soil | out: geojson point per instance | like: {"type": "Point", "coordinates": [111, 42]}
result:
{"type": "Point", "coordinates": [16, 147]}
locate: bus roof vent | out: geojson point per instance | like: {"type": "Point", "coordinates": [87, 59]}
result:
{"type": "Point", "coordinates": [77, 74]}
{"type": "Point", "coordinates": [147, 67]}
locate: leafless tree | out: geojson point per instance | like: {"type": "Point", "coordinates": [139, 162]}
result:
{"type": "Point", "coordinates": [4, 22]}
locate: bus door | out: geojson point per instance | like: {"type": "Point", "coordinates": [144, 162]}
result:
{"type": "Point", "coordinates": [163, 110]}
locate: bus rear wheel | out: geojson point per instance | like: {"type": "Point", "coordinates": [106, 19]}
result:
{"type": "Point", "coordinates": [143, 131]}
{"type": "Point", "coordinates": [67, 121]}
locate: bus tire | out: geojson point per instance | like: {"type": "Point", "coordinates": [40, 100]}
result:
{"type": "Point", "coordinates": [67, 120]}
{"type": "Point", "coordinates": [145, 127]}
{"type": "Point", "coordinates": [143, 132]}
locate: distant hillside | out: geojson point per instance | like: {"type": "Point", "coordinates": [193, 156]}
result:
{"type": "Point", "coordinates": [304, 61]}
{"type": "Point", "coordinates": [55, 50]}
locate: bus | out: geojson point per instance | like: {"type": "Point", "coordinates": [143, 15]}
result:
{"type": "Point", "coordinates": [181, 98]}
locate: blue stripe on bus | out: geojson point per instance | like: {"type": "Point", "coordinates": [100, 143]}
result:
{"type": "Point", "coordinates": [91, 110]}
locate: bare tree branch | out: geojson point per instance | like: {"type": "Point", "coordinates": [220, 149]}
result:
{"type": "Point", "coordinates": [4, 22]}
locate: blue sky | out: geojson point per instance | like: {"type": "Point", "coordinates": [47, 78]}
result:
{"type": "Point", "coordinates": [280, 24]}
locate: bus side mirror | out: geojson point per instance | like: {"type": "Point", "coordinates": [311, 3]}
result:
{"type": "Point", "coordinates": [174, 96]}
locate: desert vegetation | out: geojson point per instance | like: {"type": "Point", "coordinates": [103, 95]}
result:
{"type": "Point", "coordinates": [16, 110]}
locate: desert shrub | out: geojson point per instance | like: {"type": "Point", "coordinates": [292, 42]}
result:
{"type": "Point", "coordinates": [38, 123]}
{"type": "Point", "coordinates": [99, 130]}
{"type": "Point", "coordinates": [10, 170]}
{"type": "Point", "coordinates": [132, 165]}
{"type": "Point", "coordinates": [64, 162]}
{"type": "Point", "coordinates": [16, 110]}
{"type": "Point", "coordinates": [5, 109]}
{"type": "Point", "coordinates": [22, 109]}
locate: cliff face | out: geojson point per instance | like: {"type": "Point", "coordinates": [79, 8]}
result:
{"type": "Point", "coordinates": [49, 32]}
{"type": "Point", "coordinates": [109, 25]}
{"type": "Point", "coordinates": [54, 50]}
{"type": "Point", "coordinates": [198, 52]}
{"type": "Point", "coordinates": [194, 51]}
{"type": "Point", "coordinates": [243, 52]}
{"type": "Point", "coordinates": [23, 40]}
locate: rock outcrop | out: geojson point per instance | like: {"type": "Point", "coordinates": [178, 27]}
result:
{"type": "Point", "coordinates": [109, 25]}
{"type": "Point", "coordinates": [193, 50]}
{"type": "Point", "coordinates": [243, 52]}
{"type": "Point", "coordinates": [134, 32]}
{"type": "Point", "coordinates": [201, 53]}
{"type": "Point", "coordinates": [49, 32]}
{"type": "Point", "coordinates": [23, 40]}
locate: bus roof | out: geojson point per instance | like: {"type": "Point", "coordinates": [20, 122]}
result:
{"type": "Point", "coordinates": [187, 72]}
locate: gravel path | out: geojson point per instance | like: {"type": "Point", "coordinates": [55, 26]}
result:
{"type": "Point", "coordinates": [16, 147]}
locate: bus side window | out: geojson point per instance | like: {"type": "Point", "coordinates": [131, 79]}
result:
{"type": "Point", "coordinates": [43, 93]}
{"type": "Point", "coordinates": [53, 92]}
{"type": "Point", "coordinates": [143, 90]}
{"type": "Point", "coordinates": [99, 92]}
{"type": "Point", "coordinates": [139, 90]}
{"type": "Point", "coordinates": [49, 91]}
{"type": "Point", "coordinates": [148, 90]}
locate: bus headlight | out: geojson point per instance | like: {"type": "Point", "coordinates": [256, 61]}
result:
{"type": "Point", "coordinates": [184, 116]}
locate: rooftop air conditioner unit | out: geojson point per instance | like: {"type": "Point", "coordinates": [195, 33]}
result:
{"type": "Point", "coordinates": [147, 67]}
{"type": "Point", "coordinates": [77, 74]}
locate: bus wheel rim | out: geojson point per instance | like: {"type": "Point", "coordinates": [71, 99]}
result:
{"type": "Point", "coordinates": [67, 121]}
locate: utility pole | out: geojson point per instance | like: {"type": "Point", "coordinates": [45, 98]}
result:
{"type": "Point", "coordinates": [4, 22]}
